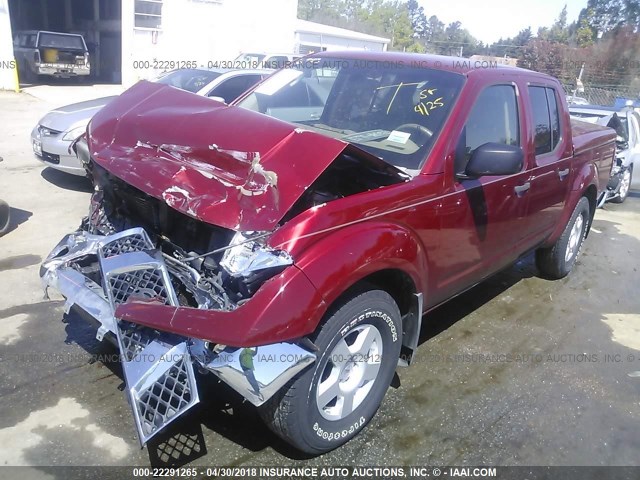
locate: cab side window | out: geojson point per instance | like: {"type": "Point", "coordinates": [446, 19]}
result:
{"type": "Point", "coordinates": [546, 119]}
{"type": "Point", "coordinates": [494, 118]}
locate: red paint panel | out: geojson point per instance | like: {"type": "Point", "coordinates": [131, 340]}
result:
{"type": "Point", "coordinates": [286, 307]}
{"type": "Point", "coordinates": [224, 165]}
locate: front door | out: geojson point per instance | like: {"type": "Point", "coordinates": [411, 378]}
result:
{"type": "Point", "coordinates": [482, 219]}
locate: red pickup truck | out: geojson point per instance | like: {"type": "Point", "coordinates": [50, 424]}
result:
{"type": "Point", "coordinates": [290, 243]}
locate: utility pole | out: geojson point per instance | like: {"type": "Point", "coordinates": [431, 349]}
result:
{"type": "Point", "coordinates": [578, 83]}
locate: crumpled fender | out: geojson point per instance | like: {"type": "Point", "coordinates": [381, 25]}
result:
{"type": "Point", "coordinates": [292, 304]}
{"type": "Point", "coordinates": [341, 259]}
{"type": "Point", "coordinates": [284, 308]}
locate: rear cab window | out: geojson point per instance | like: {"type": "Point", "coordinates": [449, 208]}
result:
{"type": "Point", "coordinates": [61, 41]}
{"type": "Point", "coordinates": [546, 119]}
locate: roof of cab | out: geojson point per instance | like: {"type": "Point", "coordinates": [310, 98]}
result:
{"type": "Point", "coordinates": [461, 65]}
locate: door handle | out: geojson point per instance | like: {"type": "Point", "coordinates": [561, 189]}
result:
{"type": "Point", "coordinates": [563, 173]}
{"type": "Point", "coordinates": [522, 189]}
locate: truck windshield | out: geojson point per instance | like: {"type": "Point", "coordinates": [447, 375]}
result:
{"type": "Point", "coordinates": [60, 40]}
{"type": "Point", "coordinates": [387, 109]}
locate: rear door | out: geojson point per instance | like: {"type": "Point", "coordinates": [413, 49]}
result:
{"type": "Point", "coordinates": [482, 220]}
{"type": "Point", "coordinates": [551, 164]}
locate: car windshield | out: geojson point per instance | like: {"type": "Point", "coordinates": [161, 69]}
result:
{"type": "Point", "coordinates": [389, 110]}
{"type": "Point", "coordinates": [60, 40]}
{"type": "Point", "coordinates": [188, 79]}
{"type": "Point", "coordinates": [250, 58]}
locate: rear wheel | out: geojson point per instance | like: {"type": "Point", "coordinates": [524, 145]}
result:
{"type": "Point", "coordinates": [330, 403]}
{"type": "Point", "coordinates": [557, 261]}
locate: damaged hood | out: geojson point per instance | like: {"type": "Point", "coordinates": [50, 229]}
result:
{"type": "Point", "coordinates": [223, 165]}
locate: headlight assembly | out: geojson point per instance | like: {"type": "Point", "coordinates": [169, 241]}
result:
{"type": "Point", "coordinates": [74, 133]}
{"type": "Point", "coordinates": [249, 256]}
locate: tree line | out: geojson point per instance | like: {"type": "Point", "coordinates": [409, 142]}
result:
{"type": "Point", "coordinates": [605, 37]}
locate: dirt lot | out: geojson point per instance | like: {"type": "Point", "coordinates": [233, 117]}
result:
{"type": "Point", "coordinates": [569, 396]}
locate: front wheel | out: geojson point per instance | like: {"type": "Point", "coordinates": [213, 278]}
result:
{"type": "Point", "coordinates": [330, 403]}
{"type": "Point", "coordinates": [625, 185]}
{"type": "Point", "coordinates": [556, 261]}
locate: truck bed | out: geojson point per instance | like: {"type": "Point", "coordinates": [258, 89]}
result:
{"type": "Point", "coordinates": [594, 143]}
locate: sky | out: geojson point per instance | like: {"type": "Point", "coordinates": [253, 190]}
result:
{"type": "Point", "coordinates": [488, 20]}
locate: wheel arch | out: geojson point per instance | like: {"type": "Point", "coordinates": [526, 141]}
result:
{"type": "Point", "coordinates": [591, 194]}
{"type": "Point", "coordinates": [401, 287]}
{"type": "Point", "coordinates": [385, 256]}
{"type": "Point", "coordinates": [403, 290]}
{"type": "Point", "coordinates": [390, 280]}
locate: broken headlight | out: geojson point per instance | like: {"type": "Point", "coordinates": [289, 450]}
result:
{"type": "Point", "coordinates": [247, 256]}
{"type": "Point", "coordinates": [249, 263]}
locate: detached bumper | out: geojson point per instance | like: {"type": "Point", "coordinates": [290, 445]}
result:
{"type": "Point", "coordinates": [103, 274]}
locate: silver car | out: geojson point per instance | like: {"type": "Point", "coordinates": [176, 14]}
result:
{"type": "Point", "coordinates": [57, 130]}
{"type": "Point", "coordinates": [626, 122]}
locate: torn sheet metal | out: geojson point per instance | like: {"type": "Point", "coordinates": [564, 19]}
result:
{"type": "Point", "coordinates": [223, 165]}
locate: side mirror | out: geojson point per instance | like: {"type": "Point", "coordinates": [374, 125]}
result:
{"type": "Point", "coordinates": [219, 99]}
{"type": "Point", "coordinates": [495, 159]}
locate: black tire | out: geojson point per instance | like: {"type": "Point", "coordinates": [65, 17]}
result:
{"type": "Point", "coordinates": [553, 262]}
{"type": "Point", "coordinates": [623, 197]}
{"type": "Point", "coordinates": [5, 217]}
{"type": "Point", "coordinates": [294, 414]}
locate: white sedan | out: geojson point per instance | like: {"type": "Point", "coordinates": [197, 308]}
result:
{"type": "Point", "coordinates": [58, 129]}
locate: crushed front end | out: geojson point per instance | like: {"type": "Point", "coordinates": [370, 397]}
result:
{"type": "Point", "coordinates": [174, 259]}
{"type": "Point", "coordinates": [134, 251]}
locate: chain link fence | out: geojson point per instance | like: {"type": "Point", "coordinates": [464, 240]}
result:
{"type": "Point", "coordinates": [601, 94]}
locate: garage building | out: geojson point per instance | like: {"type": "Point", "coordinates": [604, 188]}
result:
{"type": "Point", "coordinates": [133, 39]}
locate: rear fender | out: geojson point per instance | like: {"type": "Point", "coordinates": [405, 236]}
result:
{"type": "Point", "coordinates": [584, 180]}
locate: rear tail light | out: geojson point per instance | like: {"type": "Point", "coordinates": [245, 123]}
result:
{"type": "Point", "coordinates": [36, 56]}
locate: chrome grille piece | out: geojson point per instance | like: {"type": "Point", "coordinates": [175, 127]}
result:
{"type": "Point", "coordinates": [161, 383]}
{"type": "Point", "coordinates": [144, 283]}
{"type": "Point", "coordinates": [133, 339]}
{"type": "Point", "coordinates": [136, 242]}
{"type": "Point", "coordinates": [142, 275]}
{"type": "Point", "coordinates": [158, 369]}
{"type": "Point", "coordinates": [165, 399]}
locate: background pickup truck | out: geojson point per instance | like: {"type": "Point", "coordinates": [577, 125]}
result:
{"type": "Point", "coordinates": [290, 243]}
{"type": "Point", "coordinates": [50, 53]}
